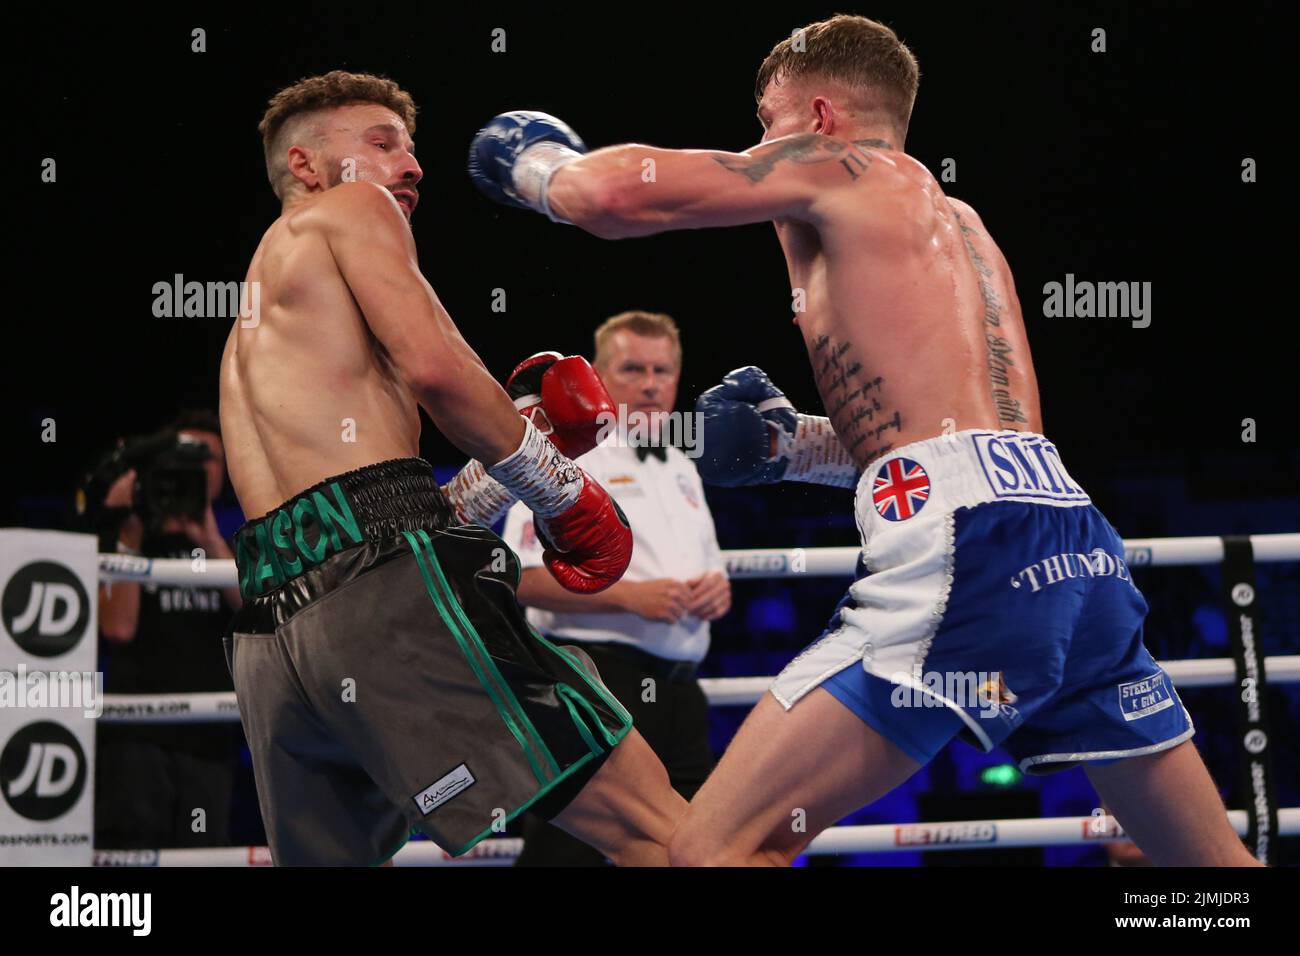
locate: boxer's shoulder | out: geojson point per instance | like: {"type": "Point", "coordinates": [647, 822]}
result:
{"type": "Point", "coordinates": [347, 207]}
{"type": "Point", "coordinates": [870, 182]}
{"type": "Point", "coordinates": [966, 213]}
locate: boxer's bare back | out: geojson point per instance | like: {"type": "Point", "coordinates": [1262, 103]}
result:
{"type": "Point", "coordinates": [307, 390]}
{"type": "Point", "coordinates": [911, 319]}
{"type": "Point", "coordinates": [349, 339]}
{"type": "Point", "coordinates": [906, 305]}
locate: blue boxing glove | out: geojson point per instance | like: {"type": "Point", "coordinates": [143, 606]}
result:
{"type": "Point", "coordinates": [738, 418]}
{"type": "Point", "coordinates": [513, 158]}
{"type": "Point", "coordinates": [751, 435]}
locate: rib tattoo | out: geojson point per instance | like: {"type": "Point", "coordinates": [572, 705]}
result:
{"type": "Point", "coordinates": [852, 399]}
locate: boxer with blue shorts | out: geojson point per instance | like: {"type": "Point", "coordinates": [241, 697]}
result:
{"type": "Point", "coordinates": [992, 602]}
{"type": "Point", "coordinates": [995, 591]}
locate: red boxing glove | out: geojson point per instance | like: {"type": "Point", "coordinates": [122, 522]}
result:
{"type": "Point", "coordinates": [588, 546]}
{"type": "Point", "coordinates": [564, 398]}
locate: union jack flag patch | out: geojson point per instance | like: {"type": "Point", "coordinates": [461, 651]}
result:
{"type": "Point", "coordinates": [901, 489]}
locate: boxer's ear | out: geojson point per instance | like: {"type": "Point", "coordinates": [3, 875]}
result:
{"type": "Point", "coordinates": [826, 115]}
{"type": "Point", "coordinates": [303, 166]}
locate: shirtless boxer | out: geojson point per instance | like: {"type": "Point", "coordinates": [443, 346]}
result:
{"type": "Point", "coordinates": [984, 555]}
{"type": "Point", "coordinates": [422, 698]}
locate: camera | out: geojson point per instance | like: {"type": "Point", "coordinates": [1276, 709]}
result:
{"type": "Point", "coordinates": [171, 482]}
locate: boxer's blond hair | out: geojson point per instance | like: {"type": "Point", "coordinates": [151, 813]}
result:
{"type": "Point", "coordinates": [865, 56]}
{"type": "Point", "coordinates": [653, 325]}
{"type": "Point", "coordinates": [292, 114]}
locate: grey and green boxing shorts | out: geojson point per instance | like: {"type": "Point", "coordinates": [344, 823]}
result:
{"type": "Point", "coordinates": [388, 680]}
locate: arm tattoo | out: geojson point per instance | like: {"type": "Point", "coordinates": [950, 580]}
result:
{"type": "Point", "coordinates": [805, 149]}
{"type": "Point", "coordinates": [999, 350]}
{"type": "Point", "coordinates": [852, 398]}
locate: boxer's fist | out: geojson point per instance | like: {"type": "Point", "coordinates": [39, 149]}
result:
{"type": "Point", "coordinates": [564, 398]}
{"type": "Point", "coordinates": [588, 546]}
{"type": "Point", "coordinates": [747, 423]}
{"type": "Point", "coordinates": [499, 144]}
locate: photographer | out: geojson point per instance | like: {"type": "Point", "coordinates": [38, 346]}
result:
{"type": "Point", "coordinates": [158, 639]}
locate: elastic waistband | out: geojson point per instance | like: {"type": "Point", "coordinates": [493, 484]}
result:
{"type": "Point", "coordinates": [370, 504]}
{"type": "Point", "coordinates": [968, 468]}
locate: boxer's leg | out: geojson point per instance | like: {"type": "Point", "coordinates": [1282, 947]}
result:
{"type": "Point", "coordinates": [829, 738]}
{"type": "Point", "coordinates": [655, 723]}
{"type": "Point", "coordinates": [625, 807]}
{"type": "Point", "coordinates": [788, 775]}
{"type": "Point", "coordinates": [1170, 807]}
{"type": "Point", "coordinates": [628, 810]}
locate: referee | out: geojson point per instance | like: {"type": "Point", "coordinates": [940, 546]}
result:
{"type": "Point", "coordinates": [648, 633]}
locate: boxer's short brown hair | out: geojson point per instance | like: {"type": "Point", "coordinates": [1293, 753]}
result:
{"type": "Point", "coordinates": [653, 325]}
{"type": "Point", "coordinates": [314, 93]}
{"type": "Point", "coordinates": [866, 56]}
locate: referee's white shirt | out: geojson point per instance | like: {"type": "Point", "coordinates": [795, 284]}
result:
{"type": "Point", "coordinates": [672, 537]}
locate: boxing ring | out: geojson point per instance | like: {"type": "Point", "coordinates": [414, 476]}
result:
{"type": "Point", "coordinates": [770, 563]}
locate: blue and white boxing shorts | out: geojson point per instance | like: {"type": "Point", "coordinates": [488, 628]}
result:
{"type": "Point", "coordinates": [992, 602]}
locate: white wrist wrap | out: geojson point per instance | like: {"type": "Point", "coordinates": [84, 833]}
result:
{"type": "Point", "coordinates": [476, 497]}
{"type": "Point", "coordinates": [816, 454]}
{"type": "Point", "coordinates": [532, 174]}
{"type": "Point", "coordinates": [538, 475]}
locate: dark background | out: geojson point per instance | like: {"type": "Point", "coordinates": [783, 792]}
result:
{"type": "Point", "coordinates": [1122, 166]}
{"type": "Point", "coordinates": [1119, 166]}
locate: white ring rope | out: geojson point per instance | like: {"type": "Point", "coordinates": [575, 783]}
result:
{"type": "Point", "coordinates": [750, 563]}
{"type": "Point", "coordinates": [721, 692]}
{"type": "Point", "coordinates": [872, 838]}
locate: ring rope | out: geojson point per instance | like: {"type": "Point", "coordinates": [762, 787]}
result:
{"type": "Point", "coordinates": [748, 563]}
{"type": "Point", "coordinates": [871, 838]}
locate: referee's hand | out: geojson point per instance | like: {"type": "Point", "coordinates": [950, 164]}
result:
{"type": "Point", "coordinates": [663, 599]}
{"type": "Point", "coordinates": [710, 596]}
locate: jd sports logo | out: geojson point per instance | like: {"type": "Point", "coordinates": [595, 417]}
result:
{"type": "Point", "coordinates": [42, 771]}
{"type": "Point", "coordinates": [45, 609]}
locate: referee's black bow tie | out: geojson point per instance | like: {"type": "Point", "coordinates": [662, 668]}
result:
{"type": "Point", "coordinates": [657, 450]}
